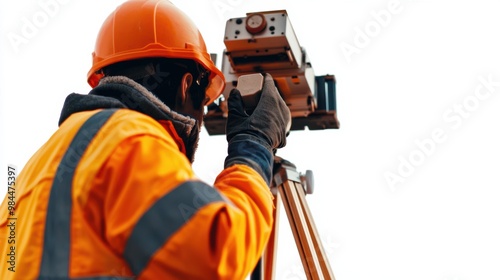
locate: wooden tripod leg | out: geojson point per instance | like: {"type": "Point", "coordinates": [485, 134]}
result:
{"type": "Point", "coordinates": [298, 225]}
{"type": "Point", "coordinates": [290, 191]}
{"type": "Point", "coordinates": [271, 249]}
{"type": "Point", "coordinates": [265, 269]}
{"type": "Point", "coordinates": [306, 237]}
{"type": "Point", "coordinates": [320, 251]}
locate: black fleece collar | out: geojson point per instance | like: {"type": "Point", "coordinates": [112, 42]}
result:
{"type": "Point", "coordinates": [122, 92]}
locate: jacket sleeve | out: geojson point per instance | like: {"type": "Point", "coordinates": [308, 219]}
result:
{"type": "Point", "coordinates": [167, 224]}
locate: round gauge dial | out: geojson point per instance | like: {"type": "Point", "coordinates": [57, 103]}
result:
{"type": "Point", "coordinates": [255, 23]}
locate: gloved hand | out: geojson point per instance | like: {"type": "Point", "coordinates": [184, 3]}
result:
{"type": "Point", "coordinates": [268, 123]}
{"type": "Point", "coordinates": [254, 138]}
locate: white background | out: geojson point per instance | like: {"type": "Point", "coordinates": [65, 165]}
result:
{"type": "Point", "coordinates": [404, 71]}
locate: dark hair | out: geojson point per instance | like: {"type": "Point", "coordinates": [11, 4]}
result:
{"type": "Point", "coordinates": [163, 77]}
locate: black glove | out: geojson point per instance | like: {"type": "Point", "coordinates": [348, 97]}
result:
{"type": "Point", "coordinates": [254, 138]}
{"type": "Point", "coordinates": [268, 122]}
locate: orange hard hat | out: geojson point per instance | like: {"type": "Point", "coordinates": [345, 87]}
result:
{"type": "Point", "coordinates": [152, 28]}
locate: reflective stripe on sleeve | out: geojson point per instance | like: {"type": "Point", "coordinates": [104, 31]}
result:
{"type": "Point", "coordinates": [163, 219]}
{"type": "Point", "coordinates": [56, 240]}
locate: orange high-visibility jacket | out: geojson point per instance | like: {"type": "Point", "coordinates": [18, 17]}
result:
{"type": "Point", "coordinates": [111, 196]}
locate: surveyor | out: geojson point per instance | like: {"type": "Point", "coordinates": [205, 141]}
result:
{"type": "Point", "coordinates": [112, 193]}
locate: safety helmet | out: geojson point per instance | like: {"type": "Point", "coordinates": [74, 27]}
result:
{"type": "Point", "coordinates": [152, 28]}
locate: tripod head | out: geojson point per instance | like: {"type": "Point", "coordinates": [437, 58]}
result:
{"type": "Point", "coordinates": [266, 42]}
{"type": "Point", "coordinates": [285, 170]}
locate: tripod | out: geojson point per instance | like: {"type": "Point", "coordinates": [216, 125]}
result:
{"type": "Point", "coordinates": [288, 188]}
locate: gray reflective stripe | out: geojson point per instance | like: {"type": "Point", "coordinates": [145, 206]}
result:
{"type": "Point", "coordinates": [56, 246]}
{"type": "Point", "coordinates": [163, 219]}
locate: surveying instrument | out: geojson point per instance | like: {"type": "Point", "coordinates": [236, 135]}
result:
{"type": "Point", "coordinates": [264, 42]}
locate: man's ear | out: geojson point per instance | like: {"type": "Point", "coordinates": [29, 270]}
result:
{"type": "Point", "coordinates": [186, 82]}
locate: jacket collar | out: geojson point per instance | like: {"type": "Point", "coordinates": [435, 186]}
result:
{"type": "Point", "coordinates": [122, 92]}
